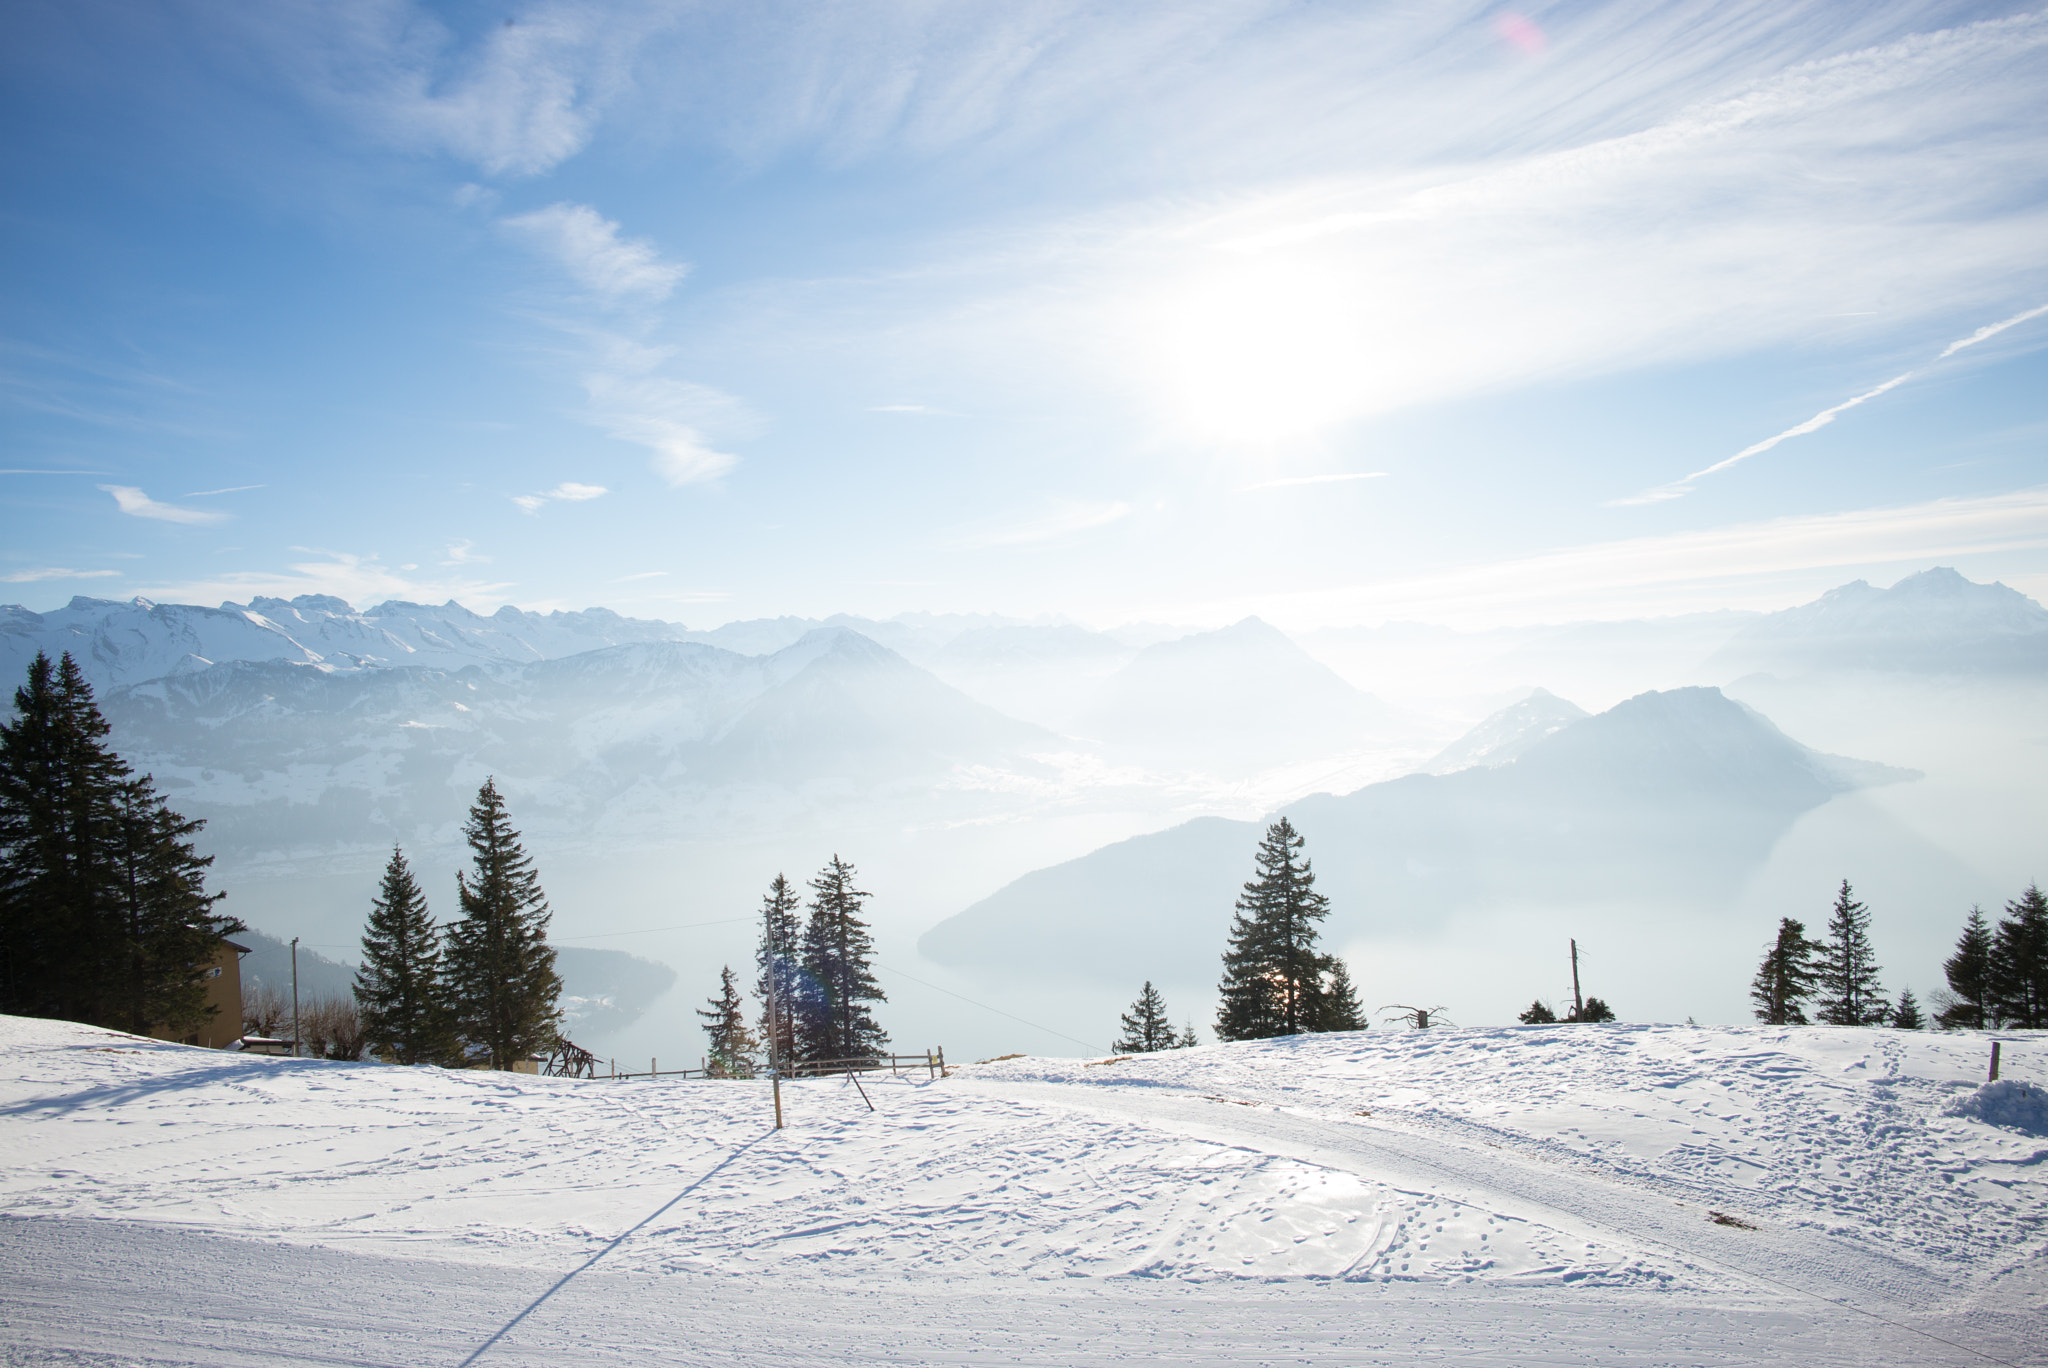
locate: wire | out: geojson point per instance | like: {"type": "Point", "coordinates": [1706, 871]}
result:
{"type": "Point", "coordinates": [650, 930]}
{"type": "Point", "coordinates": [986, 1008]}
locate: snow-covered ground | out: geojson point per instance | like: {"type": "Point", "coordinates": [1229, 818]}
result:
{"type": "Point", "coordinates": [1593, 1195]}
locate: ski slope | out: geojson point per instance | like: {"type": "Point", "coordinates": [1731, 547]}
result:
{"type": "Point", "coordinates": [1529, 1195]}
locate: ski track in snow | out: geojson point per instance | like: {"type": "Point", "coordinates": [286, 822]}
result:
{"type": "Point", "coordinates": [1566, 1161]}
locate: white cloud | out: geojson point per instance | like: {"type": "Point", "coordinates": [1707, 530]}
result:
{"type": "Point", "coordinates": [52, 573]}
{"type": "Point", "coordinates": [665, 415]}
{"type": "Point", "coordinates": [1074, 518]}
{"type": "Point", "coordinates": [566, 492]}
{"type": "Point", "coordinates": [137, 504]}
{"type": "Point", "coordinates": [357, 579]}
{"type": "Point", "coordinates": [1782, 559]}
{"type": "Point", "coordinates": [231, 489]}
{"type": "Point", "coordinates": [588, 246]}
{"type": "Point", "coordinates": [464, 553]}
{"type": "Point", "coordinates": [1680, 488]}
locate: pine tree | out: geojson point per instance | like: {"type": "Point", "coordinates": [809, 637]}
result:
{"type": "Point", "coordinates": [1846, 969]}
{"type": "Point", "coordinates": [1595, 1010]}
{"type": "Point", "coordinates": [779, 980]}
{"type": "Point", "coordinates": [1272, 976]}
{"type": "Point", "coordinates": [1906, 1015]}
{"type": "Point", "coordinates": [1341, 1010]}
{"type": "Point", "coordinates": [1188, 1039]}
{"type": "Point", "coordinates": [2019, 963]}
{"type": "Point", "coordinates": [1146, 1028]}
{"type": "Point", "coordinates": [1539, 1013]}
{"type": "Point", "coordinates": [1785, 979]}
{"type": "Point", "coordinates": [733, 1046]}
{"type": "Point", "coordinates": [398, 989]}
{"type": "Point", "coordinates": [170, 931]}
{"type": "Point", "coordinates": [104, 917]}
{"type": "Point", "coordinates": [1967, 1005]}
{"type": "Point", "coordinates": [838, 951]}
{"type": "Point", "coordinates": [499, 968]}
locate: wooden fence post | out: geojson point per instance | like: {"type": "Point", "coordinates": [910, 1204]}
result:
{"type": "Point", "coordinates": [1994, 1062]}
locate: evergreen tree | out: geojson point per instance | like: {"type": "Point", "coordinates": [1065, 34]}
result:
{"type": "Point", "coordinates": [169, 930]}
{"type": "Point", "coordinates": [1188, 1039]}
{"type": "Point", "coordinates": [1146, 1028]}
{"type": "Point", "coordinates": [399, 996]}
{"type": "Point", "coordinates": [779, 980]}
{"type": "Point", "coordinates": [1272, 976]}
{"type": "Point", "coordinates": [1906, 1015]}
{"type": "Point", "coordinates": [1846, 969]}
{"type": "Point", "coordinates": [1967, 1004]}
{"type": "Point", "coordinates": [499, 967]}
{"type": "Point", "coordinates": [1785, 979]}
{"type": "Point", "coordinates": [2019, 963]}
{"type": "Point", "coordinates": [1340, 1006]}
{"type": "Point", "coordinates": [1538, 1014]}
{"type": "Point", "coordinates": [725, 1022]}
{"type": "Point", "coordinates": [835, 1022]}
{"type": "Point", "coordinates": [1594, 1010]}
{"type": "Point", "coordinates": [104, 917]}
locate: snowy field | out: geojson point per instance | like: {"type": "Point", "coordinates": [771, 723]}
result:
{"type": "Point", "coordinates": [1608, 1195]}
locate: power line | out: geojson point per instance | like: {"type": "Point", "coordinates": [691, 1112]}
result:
{"type": "Point", "coordinates": [986, 1008]}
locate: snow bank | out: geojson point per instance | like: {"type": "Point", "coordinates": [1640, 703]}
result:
{"type": "Point", "coordinates": [2008, 1102]}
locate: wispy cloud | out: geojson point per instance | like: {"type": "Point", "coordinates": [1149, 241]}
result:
{"type": "Point", "coordinates": [1072, 519]}
{"type": "Point", "coordinates": [1779, 560]}
{"type": "Point", "coordinates": [1680, 488]}
{"type": "Point", "coordinates": [632, 403]}
{"type": "Point", "coordinates": [911, 408]}
{"type": "Point", "coordinates": [464, 553]}
{"type": "Point", "coordinates": [137, 504]}
{"type": "Point", "coordinates": [231, 489]}
{"type": "Point", "coordinates": [566, 492]}
{"type": "Point", "coordinates": [361, 580]}
{"type": "Point", "coordinates": [55, 472]}
{"type": "Point", "coordinates": [53, 573]}
{"type": "Point", "coordinates": [587, 245]}
{"type": "Point", "coordinates": [1291, 481]}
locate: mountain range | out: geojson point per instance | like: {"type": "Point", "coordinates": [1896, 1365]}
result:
{"type": "Point", "coordinates": [1670, 797]}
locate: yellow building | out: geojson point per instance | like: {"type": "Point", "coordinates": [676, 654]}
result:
{"type": "Point", "coordinates": [223, 995]}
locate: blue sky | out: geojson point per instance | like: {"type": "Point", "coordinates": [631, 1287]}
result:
{"type": "Point", "coordinates": [1330, 312]}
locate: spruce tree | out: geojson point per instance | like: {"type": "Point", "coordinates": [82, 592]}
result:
{"type": "Point", "coordinates": [398, 990]}
{"type": "Point", "coordinates": [725, 1021]}
{"type": "Point", "coordinates": [1188, 1039]}
{"type": "Point", "coordinates": [1272, 976]}
{"type": "Point", "coordinates": [500, 968]}
{"type": "Point", "coordinates": [1594, 1011]}
{"type": "Point", "coordinates": [2019, 963]}
{"type": "Point", "coordinates": [1341, 1010]}
{"type": "Point", "coordinates": [837, 958]}
{"type": "Point", "coordinates": [104, 917]}
{"type": "Point", "coordinates": [1146, 1027]}
{"type": "Point", "coordinates": [1785, 980]}
{"type": "Point", "coordinates": [1845, 969]}
{"type": "Point", "coordinates": [169, 930]}
{"type": "Point", "coordinates": [1967, 1005]}
{"type": "Point", "coordinates": [1539, 1013]}
{"type": "Point", "coordinates": [779, 979]}
{"type": "Point", "coordinates": [1906, 1015]}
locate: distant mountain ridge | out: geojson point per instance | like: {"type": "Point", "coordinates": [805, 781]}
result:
{"type": "Point", "coordinates": [1675, 794]}
{"type": "Point", "coordinates": [277, 754]}
{"type": "Point", "coordinates": [1933, 622]}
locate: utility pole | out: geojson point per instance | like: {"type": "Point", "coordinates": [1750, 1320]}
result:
{"type": "Point", "coordinates": [774, 1023]}
{"type": "Point", "coordinates": [295, 997]}
{"type": "Point", "coordinates": [1578, 1003]}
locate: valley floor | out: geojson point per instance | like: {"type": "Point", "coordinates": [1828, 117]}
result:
{"type": "Point", "coordinates": [1521, 1195]}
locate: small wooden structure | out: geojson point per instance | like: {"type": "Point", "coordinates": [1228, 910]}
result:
{"type": "Point", "coordinates": [569, 1060]}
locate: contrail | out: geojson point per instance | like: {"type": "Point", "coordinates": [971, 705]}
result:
{"type": "Point", "coordinates": [1680, 488]}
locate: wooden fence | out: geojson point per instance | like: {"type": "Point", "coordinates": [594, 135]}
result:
{"type": "Point", "coordinates": [932, 1062]}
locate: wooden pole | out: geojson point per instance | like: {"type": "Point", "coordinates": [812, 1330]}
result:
{"type": "Point", "coordinates": [1994, 1062]}
{"type": "Point", "coordinates": [1578, 1003]}
{"type": "Point", "coordinates": [295, 998]}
